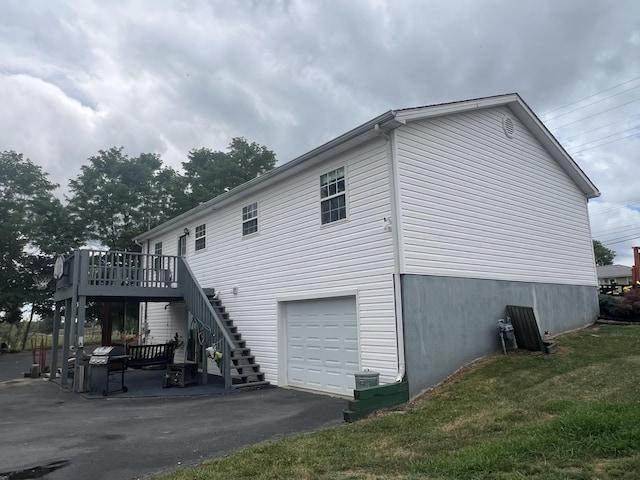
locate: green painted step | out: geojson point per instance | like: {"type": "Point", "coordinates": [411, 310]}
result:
{"type": "Point", "coordinates": [368, 400]}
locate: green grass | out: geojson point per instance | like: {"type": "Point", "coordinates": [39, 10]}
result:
{"type": "Point", "coordinates": [571, 415]}
{"type": "Point", "coordinates": [14, 336]}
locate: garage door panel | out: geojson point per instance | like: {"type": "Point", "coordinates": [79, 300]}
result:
{"type": "Point", "coordinates": [322, 344]}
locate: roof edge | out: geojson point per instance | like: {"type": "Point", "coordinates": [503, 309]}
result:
{"type": "Point", "coordinates": [389, 121]}
{"type": "Point", "coordinates": [549, 141]}
{"type": "Point", "coordinates": [385, 122]}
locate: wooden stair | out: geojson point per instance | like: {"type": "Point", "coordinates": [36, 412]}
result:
{"type": "Point", "coordinates": [245, 372]}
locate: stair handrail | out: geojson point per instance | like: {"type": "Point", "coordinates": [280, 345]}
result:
{"type": "Point", "coordinates": [199, 305]}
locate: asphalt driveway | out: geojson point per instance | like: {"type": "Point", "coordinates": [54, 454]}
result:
{"type": "Point", "coordinates": [126, 438]}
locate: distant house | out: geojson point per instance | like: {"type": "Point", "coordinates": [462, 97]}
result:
{"type": "Point", "coordinates": [614, 275]}
{"type": "Point", "coordinates": [394, 248]}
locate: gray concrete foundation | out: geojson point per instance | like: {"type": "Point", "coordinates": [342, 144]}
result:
{"type": "Point", "coordinates": [449, 322]}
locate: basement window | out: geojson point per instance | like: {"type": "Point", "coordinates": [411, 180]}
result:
{"type": "Point", "coordinates": [250, 219]}
{"type": "Point", "coordinates": [201, 237]}
{"type": "Point", "coordinates": [333, 196]}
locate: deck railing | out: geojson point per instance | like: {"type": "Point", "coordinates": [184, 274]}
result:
{"type": "Point", "coordinates": [121, 269]}
{"type": "Point", "coordinates": [131, 269]}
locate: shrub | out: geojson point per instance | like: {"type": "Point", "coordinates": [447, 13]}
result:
{"type": "Point", "coordinates": [629, 306]}
{"type": "Point", "coordinates": [608, 304]}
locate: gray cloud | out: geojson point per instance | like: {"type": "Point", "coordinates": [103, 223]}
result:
{"type": "Point", "coordinates": [165, 76]}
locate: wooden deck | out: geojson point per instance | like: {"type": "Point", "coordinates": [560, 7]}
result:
{"type": "Point", "coordinates": [119, 276]}
{"type": "Point", "coordinates": [111, 276]}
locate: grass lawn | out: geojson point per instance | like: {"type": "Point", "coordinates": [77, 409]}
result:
{"type": "Point", "coordinates": [571, 415]}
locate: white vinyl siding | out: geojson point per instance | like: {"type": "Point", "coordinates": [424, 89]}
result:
{"type": "Point", "coordinates": [294, 255]}
{"type": "Point", "coordinates": [165, 323]}
{"type": "Point", "coordinates": [477, 204]}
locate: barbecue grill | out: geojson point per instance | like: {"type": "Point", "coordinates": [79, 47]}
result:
{"type": "Point", "coordinates": [103, 362]}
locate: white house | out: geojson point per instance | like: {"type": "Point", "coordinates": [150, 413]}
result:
{"type": "Point", "coordinates": [614, 275]}
{"type": "Point", "coordinates": [394, 247]}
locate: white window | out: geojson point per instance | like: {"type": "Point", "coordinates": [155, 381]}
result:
{"type": "Point", "coordinates": [250, 219]}
{"type": "Point", "coordinates": [201, 237]}
{"type": "Point", "coordinates": [333, 196]}
{"type": "Point", "coordinates": [157, 248]}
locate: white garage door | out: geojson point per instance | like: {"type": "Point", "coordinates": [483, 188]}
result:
{"type": "Point", "coordinates": [322, 344]}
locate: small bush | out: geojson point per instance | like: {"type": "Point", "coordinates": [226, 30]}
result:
{"type": "Point", "coordinates": [629, 306]}
{"type": "Point", "coordinates": [608, 304]}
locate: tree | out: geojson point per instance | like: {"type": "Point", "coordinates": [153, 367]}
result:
{"type": "Point", "coordinates": [29, 239]}
{"type": "Point", "coordinates": [210, 173]}
{"type": "Point", "coordinates": [604, 256]}
{"type": "Point", "coordinates": [115, 198]}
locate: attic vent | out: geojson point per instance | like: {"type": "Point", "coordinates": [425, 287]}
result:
{"type": "Point", "coordinates": [508, 126]}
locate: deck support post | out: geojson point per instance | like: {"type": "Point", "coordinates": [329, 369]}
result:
{"type": "Point", "coordinates": [82, 305]}
{"type": "Point", "coordinates": [53, 370]}
{"type": "Point", "coordinates": [226, 365]}
{"type": "Point", "coordinates": [68, 318]}
{"type": "Point", "coordinates": [204, 361]}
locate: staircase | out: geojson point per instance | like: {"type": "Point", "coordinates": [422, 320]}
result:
{"type": "Point", "coordinates": [237, 365]}
{"type": "Point", "coordinates": [245, 372]}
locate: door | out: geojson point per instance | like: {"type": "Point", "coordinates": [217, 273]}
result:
{"type": "Point", "coordinates": [322, 344]}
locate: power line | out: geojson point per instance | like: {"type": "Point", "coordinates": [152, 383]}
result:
{"type": "Point", "coordinates": [603, 144]}
{"type": "Point", "coordinates": [583, 132]}
{"type": "Point", "coordinates": [607, 136]}
{"type": "Point", "coordinates": [618, 229]}
{"type": "Point", "coordinates": [592, 103]}
{"type": "Point", "coordinates": [597, 113]}
{"type": "Point", "coordinates": [614, 231]}
{"type": "Point", "coordinates": [590, 96]}
{"type": "Point", "coordinates": [617, 236]}
{"type": "Point", "coordinates": [622, 240]}
{"type": "Point", "coordinates": [616, 206]}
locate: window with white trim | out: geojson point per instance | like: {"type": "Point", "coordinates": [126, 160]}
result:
{"type": "Point", "coordinates": [157, 248]}
{"type": "Point", "coordinates": [201, 237]}
{"type": "Point", "coordinates": [333, 196]}
{"type": "Point", "coordinates": [250, 219]}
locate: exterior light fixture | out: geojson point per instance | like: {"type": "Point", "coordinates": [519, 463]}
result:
{"type": "Point", "coordinates": [186, 231]}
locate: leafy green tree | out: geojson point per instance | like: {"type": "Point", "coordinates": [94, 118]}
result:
{"type": "Point", "coordinates": [604, 256]}
{"type": "Point", "coordinates": [116, 197]}
{"type": "Point", "coordinates": [210, 173]}
{"type": "Point", "coordinates": [29, 236]}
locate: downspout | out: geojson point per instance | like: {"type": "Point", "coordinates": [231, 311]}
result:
{"type": "Point", "coordinates": [395, 232]}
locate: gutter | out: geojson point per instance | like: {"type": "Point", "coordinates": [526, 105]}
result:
{"type": "Point", "coordinates": [383, 123]}
{"type": "Point", "coordinates": [343, 142]}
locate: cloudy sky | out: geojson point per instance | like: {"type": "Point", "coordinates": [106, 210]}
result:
{"type": "Point", "coordinates": [168, 76]}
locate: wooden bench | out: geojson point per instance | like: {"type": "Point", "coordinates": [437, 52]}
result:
{"type": "Point", "coordinates": [141, 356]}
